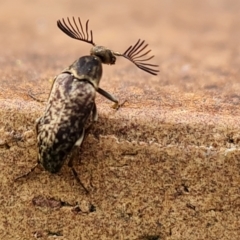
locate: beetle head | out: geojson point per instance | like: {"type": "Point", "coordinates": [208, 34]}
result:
{"type": "Point", "coordinates": [135, 53]}
{"type": "Point", "coordinates": [106, 55]}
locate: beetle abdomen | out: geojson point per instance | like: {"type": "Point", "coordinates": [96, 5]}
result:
{"type": "Point", "coordinates": [69, 106]}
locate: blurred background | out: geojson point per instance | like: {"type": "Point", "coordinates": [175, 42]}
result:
{"type": "Point", "coordinates": [195, 43]}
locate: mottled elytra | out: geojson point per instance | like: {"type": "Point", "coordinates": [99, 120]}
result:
{"type": "Point", "coordinates": [71, 103]}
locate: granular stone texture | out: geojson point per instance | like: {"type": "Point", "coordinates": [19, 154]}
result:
{"type": "Point", "coordinates": [164, 166]}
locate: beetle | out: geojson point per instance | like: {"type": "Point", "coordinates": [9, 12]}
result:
{"type": "Point", "coordinates": [71, 102]}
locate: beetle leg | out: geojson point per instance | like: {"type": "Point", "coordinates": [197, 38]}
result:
{"type": "Point", "coordinates": [70, 164]}
{"type": "Point", "coordinates": [79, 142]}
{"type": "Point", "coordinates": [36, 124]}
{"type": "Point", "coordinates": [110, 97]}
{"type": "Point", "coordinates": [94, 113]}
{"type": "Point", "coordinates": [74, 153]}
{"type": "Point", "coordinates": [78, 179]}
{"type": "Point", "coordinates": [107, 95]}
{"type": "Point", "coordinates": [32, 95]}
{"type": "Point", "coordinates": [74, 149]}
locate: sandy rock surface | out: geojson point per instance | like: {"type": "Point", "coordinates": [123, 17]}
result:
{"type": "Point", "coordinates": [164, 166]}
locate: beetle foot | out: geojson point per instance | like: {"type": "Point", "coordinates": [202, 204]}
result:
{"type": "Point", "coordinates": [118, 105]}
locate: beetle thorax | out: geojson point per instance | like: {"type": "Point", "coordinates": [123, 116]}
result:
{"type": "Point", "coordinates": [106, 55]}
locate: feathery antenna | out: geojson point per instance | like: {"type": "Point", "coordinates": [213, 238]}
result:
{"type": "Point", "coordinates": [136, 55]}
{"type": "Point", "coordinates": [75, 30]}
